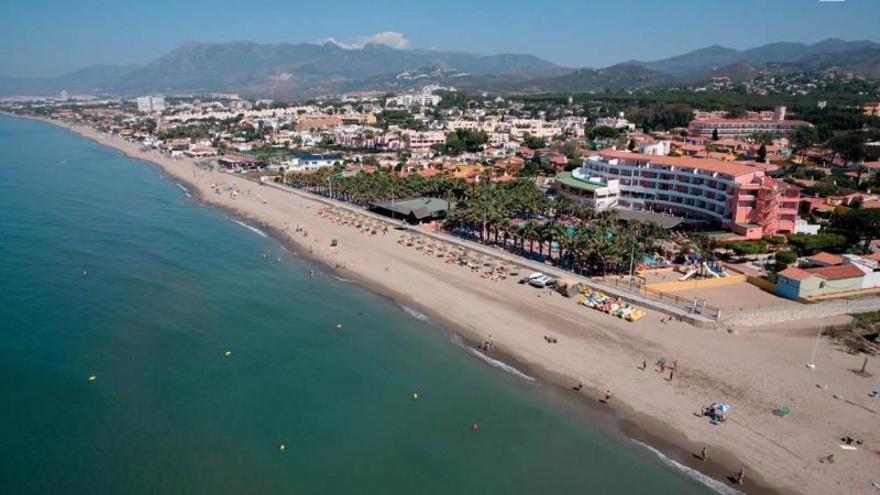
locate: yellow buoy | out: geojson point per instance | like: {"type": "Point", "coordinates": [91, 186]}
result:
{"type": "Point", "coordinates": [282, 447]}
{"type": "Point", "coordinates": [227, 353]}
{"type": "Point", "coordinates": [93, 378]}
{"type": "Point", "coordinates": [339, 325]}
{"type": "Point", "coordinates": [415, 396]}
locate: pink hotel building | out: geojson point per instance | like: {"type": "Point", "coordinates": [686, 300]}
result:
{"type": "Point", "coordinates": [737, 195]}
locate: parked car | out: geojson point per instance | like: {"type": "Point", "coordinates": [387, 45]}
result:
{"type": "Point", "coordinates": [540, 280]}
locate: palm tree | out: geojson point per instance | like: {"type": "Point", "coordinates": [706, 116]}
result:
{"type": "Point", "coordinates": [532, 233]}
{"type": "Point", "coordinates": [554, 231]}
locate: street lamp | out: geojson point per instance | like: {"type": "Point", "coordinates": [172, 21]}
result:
{"type": "Point", "coordinates": [812, 362]}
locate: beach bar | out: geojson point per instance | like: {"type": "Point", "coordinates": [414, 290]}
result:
{"type": "Point", "coordinates": [414, 210]}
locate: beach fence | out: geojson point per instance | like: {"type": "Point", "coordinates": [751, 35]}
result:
{"type": "Point", "coordinates": [693, 305]}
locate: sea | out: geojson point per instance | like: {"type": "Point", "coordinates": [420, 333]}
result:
{"type": "Point", "coordinates": [150, 344]}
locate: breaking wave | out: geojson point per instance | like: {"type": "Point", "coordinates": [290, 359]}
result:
{"type": "Point", "coordinates": [712, 483]}
{"type": "Point", "coordinates": [502, 365]}
{"type": "Point", "coordinates": [250, 227]}
{"type": "Point", "coordinates": [414, 313]}
{"type": "Point", "coordinates": [184, 189]}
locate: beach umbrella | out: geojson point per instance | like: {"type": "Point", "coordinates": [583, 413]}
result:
{"type": "Point", "coordinates": [782, 411]}
{"type": "Point", "coordinates": [722, 408]}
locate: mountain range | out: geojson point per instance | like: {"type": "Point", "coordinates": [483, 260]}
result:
{"type": "Point", "coordinates": [303, 70]}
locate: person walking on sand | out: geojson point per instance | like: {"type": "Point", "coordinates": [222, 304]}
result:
{"type": "Point", "coordinates": [644, 365]}
{"type": "Point", "coordinates": [740, 476]}
{"type": "Point", "coordinates": [608, 396]}
{"type": "Point", "coordinates": [671, 374]}
{"type": "Point", "coordinates": [704, 454]}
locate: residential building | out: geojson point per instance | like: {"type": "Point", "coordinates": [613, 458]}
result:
{"type": "Point", "coordinates": [151, 104]}
{"type": "Point", "coordinates": [830, 275]}
{"type": "Point", "coordinates": [422, 141]}
{"type": "Point", "coordinates": [741, 128]}
{"type": "Point", "coordinates": [593, 192]}
{"type": "Point", "coordinates": [615, 122]}
{"type": "Point", "coordinates": [410, 100]}
{"type": "Point", "coordinates": [807, 283]}
{"type": "Point", "coordinates": [736, 195]}
{"type": "Point", "coordinates": [313, 161]}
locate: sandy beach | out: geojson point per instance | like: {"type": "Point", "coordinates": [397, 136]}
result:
{"type": "Point", "coordinates": [754, 371]}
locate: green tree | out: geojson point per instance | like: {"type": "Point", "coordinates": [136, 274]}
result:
{"type": "Point", "coordinates": [808, 244]}
{"type": "Point", "coordinates": [803, 137]}
{"type": "Point", "coordinates": [534, 142]}
{"type": "Point", "coordinates": [571, 149]}
{"type": "Point", "coordinates": [784, 259]}
{"type": "Point", "coordinates": [862, 224]}
{"type": "Point", "coordinates": [715, 134]}
{"type": "Point", "coordinates": [604, 132]}
{"type": "Point", "coordinates": [849, 145]}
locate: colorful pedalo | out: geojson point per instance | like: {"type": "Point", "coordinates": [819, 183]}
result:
{"type": "Point", "coordinates": [601, 301]}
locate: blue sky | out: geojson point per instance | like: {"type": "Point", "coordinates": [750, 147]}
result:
{"type": "Point", "coordinates": [50, 37]}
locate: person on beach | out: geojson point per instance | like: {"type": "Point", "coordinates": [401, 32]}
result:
{"type": "Point", "coordinates": [644, 365]}
{"type": "Point", "coordinates": [704, 454]}
{"type": "Point", "coordinates": [608, 396]}
{"type": "Point", "coordinates": [671, 374]}
{"type": "Point", "coordinates": [740, 476]}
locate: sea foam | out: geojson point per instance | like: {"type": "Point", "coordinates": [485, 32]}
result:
{"type": "Point", "coordinates": [712, 483]}
{"type": "Point", "coordinates": [184, 189]}
{"type": "Point", "coordinates": [250, 227]}
{"type": "Point", "coordinates": [414, 313]}
{"type": "Point", "coordinates": [502, 365]}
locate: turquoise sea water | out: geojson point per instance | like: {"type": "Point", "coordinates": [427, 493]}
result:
{"type": "Point", "coordinates": [169, 287]}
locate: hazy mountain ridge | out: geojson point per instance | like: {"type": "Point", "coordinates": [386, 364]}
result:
{"type": "Point", "coordinates": [704, 60]}
{"type": "Point", "coordinates": [305, 70]}
{"type": "Point", "coordinates": [89, 79]}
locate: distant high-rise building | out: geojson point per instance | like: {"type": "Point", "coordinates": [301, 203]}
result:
{"type": "Point", "coordinates": [64, 94]}
{"type": "Point", "coordinates": [151, 104]}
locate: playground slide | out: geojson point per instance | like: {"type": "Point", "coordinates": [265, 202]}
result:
{"type": "Point", "coordinates": [688, 275]}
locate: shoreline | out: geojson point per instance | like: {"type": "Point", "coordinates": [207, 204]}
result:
{"type": "Point", "coordinates": [631, 421]}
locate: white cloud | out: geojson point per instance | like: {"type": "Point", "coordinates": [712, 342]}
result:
{"type": "Point", "coordinates": [387, 38]}
{"type": "Point", "coordinates": [392, 39]}
{"type": "Point", "coordinates": [340, 44]}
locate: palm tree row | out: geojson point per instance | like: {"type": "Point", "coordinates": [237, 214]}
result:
{"type": "Point", "coordinates": [517, 215]}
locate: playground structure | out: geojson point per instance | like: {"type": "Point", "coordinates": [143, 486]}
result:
{"type": "Point", "coordinates": [704, 270]}
{"type": "Point", "coordinates": [697, 267]}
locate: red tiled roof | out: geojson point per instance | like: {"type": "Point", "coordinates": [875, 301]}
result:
{"type": "Point", "coordinates": [723, 167]}
{"type": "Point", "coordinates": [795, 273]}
{"type": "Point", "coordinates": [837, 272]}
{"type": "Point", "coordinates": [827, 272]}
{"type": "Point", "coordinates": [826, 258]}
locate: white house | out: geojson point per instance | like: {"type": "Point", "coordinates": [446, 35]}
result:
{"type": "Point", "coordinates": [868, 266]}
{"type": "Point", "coordinates": [314, 161]}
